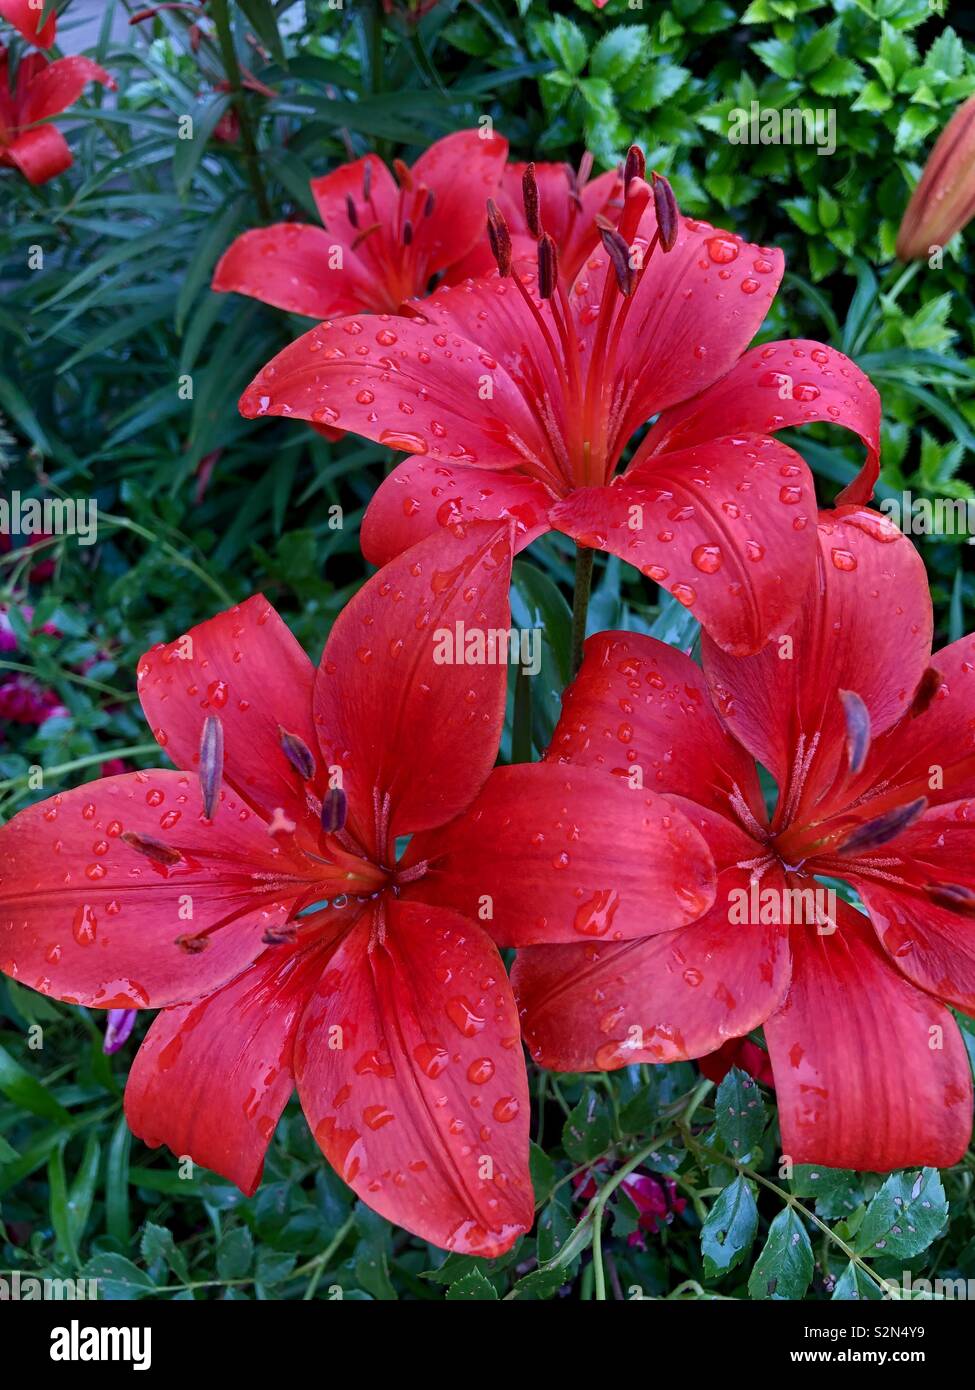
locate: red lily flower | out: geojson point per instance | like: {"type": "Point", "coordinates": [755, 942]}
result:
{"type": "Point", "coordinates": [568, 204]}
{"type": "Point", "coordinates": [43, 89]}
{"type": "Point", "coordinates": [383, 239]}
{"type": "Point", "coordinates": [872, 744]}
{"type": "Point", "coordinates": [519, 397]}
{"type": "Point", "coordinates": [273, 924]}
{"type": "Point", "coordinates": [25, 17]}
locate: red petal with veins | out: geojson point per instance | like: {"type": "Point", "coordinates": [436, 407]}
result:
{"type": "Point", "coordinates": [695, 310]}
{"type": "Point", "coordinates": [89, 919]}
{"type": "Point", "coordinates": [39, 154]}
{"type": "Point", "coordinates": [775, 387]}
{"type": "Point", "coordinates": [841, 1103]}
{"type": "Point", "coordinates": [25, 16]}
{"type": "Point", "coordinates": [287, 265]}
{"type": "Point", "coordinates": [932, 754]}
{"type": "Point", "coordinates": [246, 667]}
{"type": "Point", "coordinates": [665, 998]}
{"type": "Point", "coordinates": [420, 497]}
{"type": "Point", "coordinates": [865, 627]}
{"type": "Point", "coordinates": [726, 527]}
{"type": "Point", "coordinates": [462, 171]}
{"type": "Point", "coordinates": [912, 909]}
{"type": "Point", "coordinates": [406, 384]}
{"type": "Point", "coordinates": [211, 1078]}
{"type": "Point", "coordinates": [553, 853]}
{"type": "Point", "coordinates": [397, 706]}
{"type": "Point", "coordinates": [412, 1078]}
{"type": "Point", "coordinates": [58, 85]}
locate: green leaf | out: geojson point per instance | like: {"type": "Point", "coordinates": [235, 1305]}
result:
{"type": "Point", "coordinates": [587, 1130]}
{"type": "Point", "coordinates": [235, 1253]}
{"type": "Point", "coordinates": [785, 1266]}
{"type": "Point", "coordinates": [159, 1244]}
{"type": "Point", "coordinates": [740, 1114]}
{"type": "Point", "coordinates": [261, 15]}
{"type": "Point", "coordinates": [565, 43]}
{"type": "Point", "coordinates": [853, 1283]}
{"type": "Point", "coordinates": [619, 54]}
{"type": "Point", "coordinates": [837, 1191]}
{"type": "Point", "coordinates": [473, 1286]}
{"type": "Point", "coordinates": [118, 1278]}
{"type": "Point", "coordinates": [728, 1232]}
{"type": "Point", "coordinates": [907, 1214]}
{"type": "Point", "coordinates": [840, 77]}
{"type": "Point", "coordinates": [19, 1086]}
{"type": "Point", "coordinates": [820, 48]}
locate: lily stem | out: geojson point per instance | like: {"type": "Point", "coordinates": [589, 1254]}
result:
{"type": "Point", "coordinates": [580, 604]}
{"type": "Point", "coordinates": [225, 38]}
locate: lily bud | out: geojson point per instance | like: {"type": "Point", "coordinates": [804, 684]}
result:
{"type": "Point", "coordinates": [665, 204]}
{"type": "Point", "coordinates": [944, 200]}
{"type": "Point", "coordinates": [499, 237]}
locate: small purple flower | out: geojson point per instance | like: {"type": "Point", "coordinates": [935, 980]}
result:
{"type": "Point", "coordinates": [120, 1024]}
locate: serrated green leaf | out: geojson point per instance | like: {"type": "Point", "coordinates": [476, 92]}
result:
{"type": "Point", "coordinates": [728, 1232]}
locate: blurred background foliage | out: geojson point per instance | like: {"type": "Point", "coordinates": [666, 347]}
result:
{"type": "Point", "coordinates": [199, 508]}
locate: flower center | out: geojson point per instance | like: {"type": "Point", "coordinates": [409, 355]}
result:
{"type": "Point", "coordinates": [571, 384]}
{"type": "Point", "coordinates": [389, 243]}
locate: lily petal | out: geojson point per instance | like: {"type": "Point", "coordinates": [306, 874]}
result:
{"type": "Point", "coordinates": [639, 702]}
{"type": "Point", "coordinates": [25, 16]}
{"type": "Point", "coordinates": [665, 998]}
{"type": "Point", "coordinates": [412, 1078]}
{"type": "Point", "coordinates": [58, 85]}
{"type": "Point", "coordinates": [211, 1078]}
{"type": "Point", "coordinates": [90, 919]}
{"type": "Point", "coordinates": [287, 265]}
{"type": "Point", "coordinates": [840, 1103]}
{"type": "Point", "coordinates": [245, 667]}
{"type": "Point", "coordinates": [773, 387]}
{"type": "Point", "coordinates": [551, 853]}
{"type": "Point", "coordinates": [870, 608]}
{"type": "Point", "coordinates": [40, 154]}
{"type": "Point", "coordinates": [420, 497]}
{"type": "Point", "coordinates": [415, 760]}
{"type": "Point", "coordinates": [726, 527]}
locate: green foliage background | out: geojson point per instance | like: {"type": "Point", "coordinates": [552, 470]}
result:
{"type": "Point", "coordinates": [92, 350]}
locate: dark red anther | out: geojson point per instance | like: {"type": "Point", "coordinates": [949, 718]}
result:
{"type": "Point", "coordinates": [857, 729]}
{"type": "Point", "coordinates": [367, 180]}
{"type": "Point", "coordinates": [284, 935]}
{"type": "Point", "coordinates": [428, 205]}
{"type": "Point", "coordinates": [151, 848]}
{"type": "Point", "coordinates": [668, 213]}
{"type": "Point", "coordinates": [618, 252]}
{"type": "Point", "coordinates": [874, 833]}
{"type": "Point", "coordinates": [548, 266]}
{"type": "Point", "coordinates": [953, 896]}
{"type": "Point", "coordinates": [407, 232]}
{"type": "Point", "coordinates": [499, 237]}
{"type": "Point", "coordinates": [193, 945]}
{"type": "Point", "coordinates": [335, 810]}
{"type": "Point", "coordinates": [350, 210]}
{"type": "Point", "coordinates": [529, 193]}
{"type": "Point", "coordinates": [298, 753]}
{"type": "Point", "coordinates": [635, 166]}
{"type": "Point", "coordinates": [927, 688]}
{"type": "Point", "coordinates": [211, 763]}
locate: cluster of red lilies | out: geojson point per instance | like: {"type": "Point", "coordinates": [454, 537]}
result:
{"type": "Point", "coordinates": [317, 895]}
